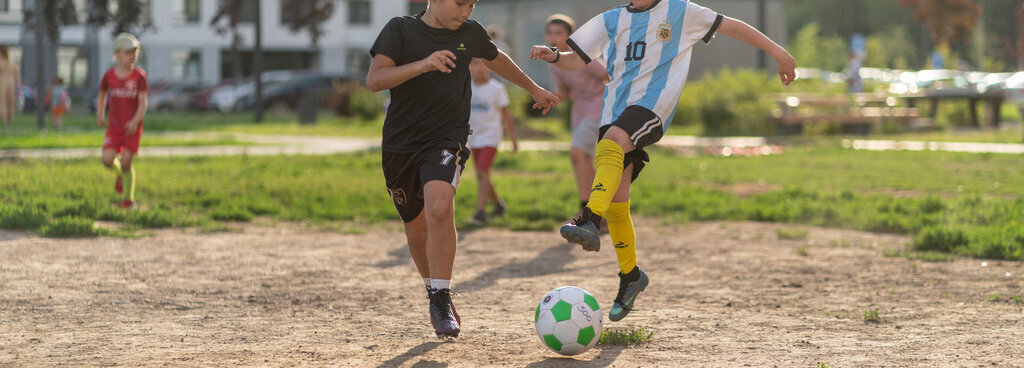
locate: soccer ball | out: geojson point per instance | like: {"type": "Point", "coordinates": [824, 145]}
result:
{"type": "Point", "coordinates": [568, 320]}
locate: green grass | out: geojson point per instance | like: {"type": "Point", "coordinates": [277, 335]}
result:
{"type": "Point", "coordinates": [803, 251]}
{"type": "Point", "coordinates": [625, 336]}
{"type": "Point", "coordinates": [953, 204]}
{"type": "Point", "coordinates": [871, 316]}
{"type": "Point", "coordinates": [792, 234]}
{"type": "Point", "coordinates": [994, 298]}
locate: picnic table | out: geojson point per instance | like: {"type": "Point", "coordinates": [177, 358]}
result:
{"type": "Point", "coordinates": [993, 100]}
{"type": "Point", "coordinates": [855, 113]}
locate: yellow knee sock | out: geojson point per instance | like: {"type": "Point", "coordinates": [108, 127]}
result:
{"type": "Point", "coordinates": [620, 227]}
{"type": "Point", "coordinates": [608, 165]}
{"type": "Point", "coordinates": [129, 184]}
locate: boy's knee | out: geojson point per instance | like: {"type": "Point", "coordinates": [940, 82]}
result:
{"type": "Point", "coordinates": [439, 210]}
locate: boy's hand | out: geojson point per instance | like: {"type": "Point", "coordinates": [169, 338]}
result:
{"type": "Point", "coordinates": [442, 61]}
{"type": "Point", "coordinates": [132, 126]}
{"type": "Point", "coordinates": [515, 146]}
{"type": "Point", "coordinates": [100, 120]}
{"type": "Point", "coordinates": [542, 52]}
{"type": "Point", "coordinates": [544, 100]}
{"type": "Point", "coordinates": [787, 68]}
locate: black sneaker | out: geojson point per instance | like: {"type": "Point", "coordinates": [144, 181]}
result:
{"type": "Point", "coordinates": [443, 316]}
{"type": "Point", "coordinates": [479, 218]}
{"type": "Point", "coordinates": [583, 230]}
{"type": "Point", "coordinates": [499, 209]}
{"type": "Point", "coordinates": [630, 285]}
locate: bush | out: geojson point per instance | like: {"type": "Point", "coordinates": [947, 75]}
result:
{"type": "Point", "coordinates": [730, 102]}
{"type": "Point", "coordinates": [26, 217]}
{"type": "Point", "coordinates": [70, 227]}
{"type": "Point", "coordinates": [365, 104]}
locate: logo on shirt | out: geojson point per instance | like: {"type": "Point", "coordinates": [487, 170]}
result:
{"type": "Point", "coordinates": [665, 32]}
{"type": "Point", "coordinates": [462, 47]}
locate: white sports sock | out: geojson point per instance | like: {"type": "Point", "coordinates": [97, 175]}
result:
{"type": "Point", "coordinates": [426, 281]}
{"type": "Point", "coordinates": [440, 284]}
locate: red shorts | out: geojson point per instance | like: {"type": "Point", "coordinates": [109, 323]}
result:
{"type": "Point", "coordinates": [117, 139]}
{"type": "Point", "coordinates": [483, 157]}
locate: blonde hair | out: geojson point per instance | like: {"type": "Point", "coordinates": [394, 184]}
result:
{"type": "Point", "coordinates": [561, 19]}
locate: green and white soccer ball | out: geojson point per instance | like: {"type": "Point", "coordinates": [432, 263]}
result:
{"type": "Point", "coordinates": [568, 320]}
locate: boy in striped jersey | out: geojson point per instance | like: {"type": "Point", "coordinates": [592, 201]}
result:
{"type": "Point", "coordinates": [647, 46]}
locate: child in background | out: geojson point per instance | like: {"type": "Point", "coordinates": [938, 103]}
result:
{"type": "Point", "coordinates": [489, 111]}
{"type": "Point", "coordinates": [128, 90]}
{"type": "Point", "coordinates": [58, 100]}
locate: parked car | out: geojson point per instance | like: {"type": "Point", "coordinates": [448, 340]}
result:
{"type": "Point", "coordinates": [177, 96]}
{"type": "Point", "coordinates": [286, 96]}
{"type": "Point", "coordinates": [228, 97]}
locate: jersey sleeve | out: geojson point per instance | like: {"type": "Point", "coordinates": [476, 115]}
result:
{"type": "Point", "coordinates": [590, 41]}
{"type": "Point", "coordinates": [104, 85]}
{"type": "Point", "coordinates": [143, 82]}
{"type": "Point", "coordinates": [485, 49]}
{"type": "Point", "coordinates": [389, 42]}
{"type": "Point", "coordinates": [501, 100]}
{"type": "Point", "coordinates": [700, 24]}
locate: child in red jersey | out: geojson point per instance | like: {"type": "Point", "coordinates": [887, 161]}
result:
{"type": "Point", "coordinates": [125, 85]}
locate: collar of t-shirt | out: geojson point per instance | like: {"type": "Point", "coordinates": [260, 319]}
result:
{"type": "Point", "coordinates": [631, 9]}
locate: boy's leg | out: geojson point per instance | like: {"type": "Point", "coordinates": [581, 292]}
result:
{"type": "Point", "coordinates": [620, 224]}
{"type": "Point", "coordinates": [483, 184]}
{"type": "Point", "coordinates": [583, 168]}
{"type": "Point", "coordinates": [416, 235]}
{"type": "Point", "coordinates": [128, 173]}
{"type": "Point", "coordinates": [439, 211]}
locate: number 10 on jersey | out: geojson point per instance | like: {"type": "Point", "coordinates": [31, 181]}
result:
{"type": "Point", "coordinates": [635, 51]}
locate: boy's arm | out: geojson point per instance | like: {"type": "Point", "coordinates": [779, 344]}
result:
{"type": "Point", "coordinates": [506, 68]}
{"type": "Point", "coordinates": [510, 128]}
{"type": "Point", "coordinates": [140, 113]}
{"type": "Point", "coordinates": [568, 60]}
{"type": "Point", "coordinates": [745, 33]}
{"type": "Point", "coordinates": [384, 74]}
{"type": "Point", "coordinates": [101, 107]}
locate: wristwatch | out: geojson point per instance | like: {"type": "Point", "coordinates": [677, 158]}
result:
{"type": "Point", "coordinates": [558, 55]}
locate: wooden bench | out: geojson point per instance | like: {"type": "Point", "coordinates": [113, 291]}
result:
{"type": "Point", "coordinates": [855, 113]}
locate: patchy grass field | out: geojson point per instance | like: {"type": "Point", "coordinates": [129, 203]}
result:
{"type": "Point", "coordinates": [964, 204]}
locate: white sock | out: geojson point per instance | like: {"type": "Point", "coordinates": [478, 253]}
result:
{"type": "Point", "coordinates": [426, 281]}
{"type": "Point", "coordinates": [440, 284]}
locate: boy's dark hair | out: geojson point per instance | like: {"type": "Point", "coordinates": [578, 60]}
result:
{"type": "Point", "coordinates": [4, 51]}
{"type": "Point", "coordinates": [58, 80]}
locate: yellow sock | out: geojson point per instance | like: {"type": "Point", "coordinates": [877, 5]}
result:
{"type": "Point", "coordinates": [129, 184]}
{"type": "Point", "coordinates": [608, 165]}
{"type": "Point", "coordinates": [620, 227]}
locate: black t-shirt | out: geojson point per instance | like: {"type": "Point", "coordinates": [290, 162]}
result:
{"type": "Point", "coordinates": [433, 105]}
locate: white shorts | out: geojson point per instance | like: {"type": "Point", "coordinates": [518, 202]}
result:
{"type": "Point", "coordinates": [584, 135]}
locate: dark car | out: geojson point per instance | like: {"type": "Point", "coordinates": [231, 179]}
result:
{"type": "Point", "coordinates": [286, 96]}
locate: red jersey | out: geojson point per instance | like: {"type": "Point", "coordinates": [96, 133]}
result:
{"type": "Point", "coordinates": [123, 95]}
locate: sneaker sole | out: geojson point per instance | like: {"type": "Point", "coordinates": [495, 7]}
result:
{"type": "Point", "coordinates": [574, 234]}
{"type": "Point", "coordinates": [626, 311]}
{"type": "Point", "coordinates": [450, 335]}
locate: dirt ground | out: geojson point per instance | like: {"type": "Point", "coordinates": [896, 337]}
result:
{"type": "Point", "coordinates": [721, 295]}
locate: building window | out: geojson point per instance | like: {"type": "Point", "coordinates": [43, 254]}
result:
{"type": "Point", "coordinates": [248, 12]}
{"type": "Point", "coordinates": [10, 11]}
{"type": "Point", "coordinates": [73, 66]}
{"type": "Point", "coordinates": [186, 11]}
{"type": "Point", "coordinates": [147, 15]}
{"type": "Point", "coordinates": [359, 12]}
{"type": "Point", "coordinates": [185, 65]}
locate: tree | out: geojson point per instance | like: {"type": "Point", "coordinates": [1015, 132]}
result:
{"type": "Point", "coordinates": [56, 14]}
{"type": "Point", "coordinates": [949, 20]}
{"type": "Point", "coordinates": [225, 20]}
{"type": "Point", "coordinates": [130, 16]}
{"type": "Point", "coordinates": [309, 15]}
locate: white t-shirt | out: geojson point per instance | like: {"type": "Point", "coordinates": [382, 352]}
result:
{"type": "Point", "coordinates": [485, 114]}
{"type": "Point", "coordinates": [647, 53]}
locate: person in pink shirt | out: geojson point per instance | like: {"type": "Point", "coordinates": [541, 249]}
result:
{"type": "Point", "coordinates": [586, 88]}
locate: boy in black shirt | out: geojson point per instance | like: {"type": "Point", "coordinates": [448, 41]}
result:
{"type": "Point", "coordinates": [424, 61]}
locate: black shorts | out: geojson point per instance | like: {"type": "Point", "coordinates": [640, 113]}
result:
{"type": "Point", "coordinates": [406, 173]}
{"type": "Point", "coordinates": [644, 128]}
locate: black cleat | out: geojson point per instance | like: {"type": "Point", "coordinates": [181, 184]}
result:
{"type": "Point", "coordinates": [443, 316]}
{"type": "Point", "coordinates": [583, 230]}
{"type": "Point", "coordinates": [630, 285]}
